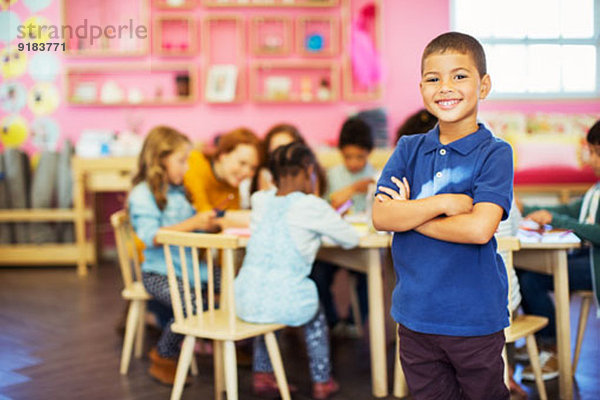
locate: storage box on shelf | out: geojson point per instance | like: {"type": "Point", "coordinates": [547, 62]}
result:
{"type": "Point", "coordinates": [131, 85]}
{"type": "Point", "coordinates": [317, 36]}
{"type": "Point", "coordinates": [271, 35]}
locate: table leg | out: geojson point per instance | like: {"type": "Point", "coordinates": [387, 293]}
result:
{"type": "Point", "coordinates": [563, 328]}
{"type": "Point", "coordinates": [377, 325]}
{"type": "Point", "coordinates": [80, 237]}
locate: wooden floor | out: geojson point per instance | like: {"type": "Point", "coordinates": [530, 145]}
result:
{"type": "Point", "coordinates": [58, 341]}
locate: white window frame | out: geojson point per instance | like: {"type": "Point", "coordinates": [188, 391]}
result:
{"type": "Point", "coordinates": [593, 41]}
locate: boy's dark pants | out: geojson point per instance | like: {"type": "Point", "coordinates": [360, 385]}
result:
{"type": "Point", "coordinates": [453, 367]}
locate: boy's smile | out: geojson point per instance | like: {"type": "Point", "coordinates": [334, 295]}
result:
{"type": "Point", "coordinates": [451, 88]}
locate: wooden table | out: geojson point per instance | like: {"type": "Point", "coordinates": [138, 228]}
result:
{"type": "Point", "coordinates": [551, 259]}
{"type": "Point", "coordinates": [366, 258]}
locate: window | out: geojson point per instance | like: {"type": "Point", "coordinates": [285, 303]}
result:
{"type": "Point", "coordinates": [536, 48]}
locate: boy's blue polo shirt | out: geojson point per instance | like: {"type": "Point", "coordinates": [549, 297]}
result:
{"type": "Point", "coordinates": [449, 288]}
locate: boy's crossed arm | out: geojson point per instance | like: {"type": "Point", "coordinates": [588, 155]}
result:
{"type": "Point", "coordinates": [448, 217]}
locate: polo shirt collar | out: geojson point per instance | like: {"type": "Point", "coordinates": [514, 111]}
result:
{"type": "Point", "coordinates": [462, 146]}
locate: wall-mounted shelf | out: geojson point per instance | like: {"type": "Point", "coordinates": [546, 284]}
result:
{"type": "Point", "coordinates": [124, 28]}
{"type": "Point", "coordinates": [228, 29]}
{"type": "Point", "coordinates": [317, 36]}
{"type": "Point", "coordinates": [270, 3]}
{"type": "Point", "coordinates": [294, 82]}
{"type": "Point", "coordinates": [271, 35]}
{"type": "Point", "coordinates": [175, 35]}
{"type": "Point", "coordinates": [131, 85]}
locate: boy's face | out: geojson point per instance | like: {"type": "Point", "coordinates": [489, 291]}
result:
{"type": "Point", "coordinates": [355, 157]}
{"type": "Point", "coordinates": [451, 88]}
{"type": "Point", "coordinates": [594, 157]}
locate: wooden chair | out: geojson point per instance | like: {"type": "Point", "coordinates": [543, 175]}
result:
{"type": "Point", "coordinates": [133, 292]}
{"type": "Point", "coordinates": [522, 326]}
{"type": "Point", "coordinates": [586, 299]}
{"type": "Point", "coordinates": [217, 323]}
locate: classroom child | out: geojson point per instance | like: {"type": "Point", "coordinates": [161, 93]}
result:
{"type": "Point", "coordinates": [159, 200]}
{"type": "Point", "coordinates": [582, 217]}
{"type": "Point", "coordinates": [348, 181]}
{"type": "Point", "coordinates": [213, 182]}
{"type": "Point", "coordinates": [443, 195]}
{"type": "Point", "coordinates": [279, 135]}
{"type": "Point", "coordinates": [421, 121]}
{"type": "Point", "coordinates": [273, 284]}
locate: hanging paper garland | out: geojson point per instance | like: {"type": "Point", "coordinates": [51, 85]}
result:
{"type": "Point", "coordinates": [43, 98]}
{"type": "Point", "coordinates": [45, 133]}
{"type": "Point", "coordinates": [44, 67]}
{"type": "Point", "coordinates": [13, 131]}
{"type": "Point", "coordinates": [37, 5]}
{"type": "Point", "coordinates": [13, 96]}
{"type": "Point", "coordinates": [14, 62]}
{"type": "Point", "coordinates": [9, 23]}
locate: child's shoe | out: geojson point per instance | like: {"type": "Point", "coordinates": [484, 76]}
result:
{"type": "Point", "coordinates": [323, 390]}
{"type": "Point", "coordinates": [163, 369]}
{"type": "Point", "coordinates": [264, 385]}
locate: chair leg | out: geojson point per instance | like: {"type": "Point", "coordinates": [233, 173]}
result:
{"type": "Point", "coordinates": [219, 371]}
{"type": "Point", "coordinates": [534, 358]}
{"type": "Point", "coordinates": [130, 328]}
{"type": "Point", "coordinates": [277, 364]}
{"type": "Point", "coordinates": [400, 386]}
{"type": "Point", "coordinates": [583, 317]}
{"type": "Point", "coordinates": [230, 370]}
{"type": "Point", "coordinates": [183, 365]}
{"type": "Point", "coordinates": [355, 305]}
{"type": "Point", "coordinates": [139, 337]}
{"type": "Point", "coordinates": [194, 366]}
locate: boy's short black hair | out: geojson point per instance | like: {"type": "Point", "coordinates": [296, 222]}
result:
{"type": "Point", "coordinates": [458, 42]}
{"type": "Point", "coordinates": [420, 122]}
{"type": "Point", "coordinates": [356, 132]}
{"type": "Point", "coordinates": [593, 136]}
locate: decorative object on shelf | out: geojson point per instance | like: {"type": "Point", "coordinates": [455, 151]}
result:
{"type": "Point", "coordinates": [271, 35]}
{"type": "Point", "coordinates": [221, 83]}
{"type": "Point", "coordinates": [182, 83]}
{"type": "Point", "coordinates": [13, 130]}
{"type": "Point", "coordinates": [44, 67]}
{"type": "Point", "coordinates": [324, 90]}
{"type": "Point", "coordinates": [314, 42]}
{"type": "Point", "coordinates": [13, 96]}
{"type": "Point", "coordinates": [111, 93]}
{"type": "Point", "coordinates": [45, 133]}
{"type": "Point", "coordinates": [135, 96]}
{"type": "Point", "coordinates": [94, 143]}
{"type": "Point", "coordinates": [43, 98]}
{"type": "Point", "coordinates": [278, 87]}
{"type": "Point", "coordinates": [366, 64]}
{"type": "Point", "coordinates": [175, 4]}
{"type": "Point", "coordinates": [306, 93]}
{"type": "Point", "coordinates": [14, 62]}
{"type": "Point", "coordinates": [85, 92]}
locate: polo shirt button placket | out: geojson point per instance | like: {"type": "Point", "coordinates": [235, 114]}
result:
{"type": "Point", "coordinates": [443, 152]}
{"type": "Point", "coordinates": [439, 175]}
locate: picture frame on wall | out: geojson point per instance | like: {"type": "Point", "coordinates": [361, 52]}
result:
{"type": "Point", "coordinates": [221, 83]}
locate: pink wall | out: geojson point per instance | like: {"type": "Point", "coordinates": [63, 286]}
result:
{"type": "Point", "coordinates": [408, 26]}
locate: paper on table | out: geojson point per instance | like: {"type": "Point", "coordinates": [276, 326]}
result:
{"type": "Point", "coordinates": [552, 236]}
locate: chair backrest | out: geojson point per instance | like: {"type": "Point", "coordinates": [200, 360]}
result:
{"type": "Point", "coordinates": [126, 248]}
{"type": "Point", "coordinates": [196, 244]}
{"type": "Point", "coordinates": [508, 245]}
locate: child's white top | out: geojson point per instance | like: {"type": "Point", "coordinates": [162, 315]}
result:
{"type": "Point", "coordinates": [273, 284]}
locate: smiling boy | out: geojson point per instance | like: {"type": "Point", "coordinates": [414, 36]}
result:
{"type": "Point", "coordinates": [455, 187]}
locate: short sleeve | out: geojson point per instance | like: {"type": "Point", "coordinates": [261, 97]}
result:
{"type": "Point", "coordinates": [494, 184]}
{"type": "Point", "coordinates": [144, 214]}
{"type": "Point", "coordinates": [194, 181]}
{"type": "Point", "coordinates": [395, 166]}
